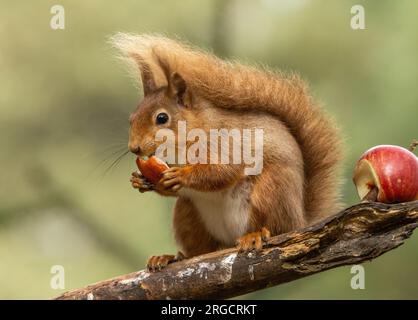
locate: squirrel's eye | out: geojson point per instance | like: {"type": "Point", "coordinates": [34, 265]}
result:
{"type": "Point", "coordinates": [162, 118]}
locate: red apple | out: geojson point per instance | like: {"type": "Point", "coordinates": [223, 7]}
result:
{"type": "Point", "coordinates": [151, 168]}
{"type": "Point", "coordinates": [390, 170]}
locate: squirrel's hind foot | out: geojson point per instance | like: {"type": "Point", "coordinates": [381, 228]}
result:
{"type": "Point", "coordinates": [157, 263]}
{"type": "Point", "coordinates": [253, 241]}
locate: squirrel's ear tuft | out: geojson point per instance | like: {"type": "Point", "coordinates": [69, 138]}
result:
{"type": "Point", "coordinates": [147, 77]}
{"type": "Point", "coordinates": [137, 51]}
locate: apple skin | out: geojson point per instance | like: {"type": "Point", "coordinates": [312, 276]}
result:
{"type": "Point", "coordinates": [152, 168]}
{"type": "Point", "coordinates": [392, 169]}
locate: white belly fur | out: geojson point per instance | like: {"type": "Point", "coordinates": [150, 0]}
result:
{"type": "Point", "coordinates": [225, 213]}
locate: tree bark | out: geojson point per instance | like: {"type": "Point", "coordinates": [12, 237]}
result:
{"type": "Point", "coordinates": [356, 234]}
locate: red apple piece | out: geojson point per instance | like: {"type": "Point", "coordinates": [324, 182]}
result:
{"type": "Point", "coordinates": [151, 168]}
{"type": "Point", "coordinates": [392, 170]}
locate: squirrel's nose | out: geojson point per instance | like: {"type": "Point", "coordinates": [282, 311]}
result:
{"type": "Point", "coordinates": [134, 149]}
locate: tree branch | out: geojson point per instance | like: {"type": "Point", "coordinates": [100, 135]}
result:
{"type": "Point", "coordinates": [357, 234]}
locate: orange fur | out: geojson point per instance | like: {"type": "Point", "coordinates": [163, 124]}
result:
{"type": "Point", "coordinates": [300, 180]}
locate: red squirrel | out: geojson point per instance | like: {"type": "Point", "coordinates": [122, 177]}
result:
{"type": "Point", "coordinates": [218, 206]}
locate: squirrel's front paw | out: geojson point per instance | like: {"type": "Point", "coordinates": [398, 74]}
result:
{"type": "Point", "coordinates": [139, 182]}
{"type": "Point", "coordinates": [173, 179]}
{"type": "Point", "coordinates": [253, 241]}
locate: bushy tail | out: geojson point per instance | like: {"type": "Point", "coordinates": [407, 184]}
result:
{"type": "Point", "coordinates": [232, 85]}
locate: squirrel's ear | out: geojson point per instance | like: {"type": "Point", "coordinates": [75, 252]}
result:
{"type": "Point", "coordinates": [179, 88]}
{"type": "Point", "coordinates": [176, 86]}
{"type": "Point", "coordinates": [147, 77]}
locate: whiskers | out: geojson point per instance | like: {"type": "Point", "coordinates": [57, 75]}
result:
{"type": "Point", "coordinates": [114, 154]}
{"type": "Point", "coordinates": [116, 161]}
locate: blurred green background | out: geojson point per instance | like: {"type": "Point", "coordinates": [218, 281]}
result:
{"type": "Point", "coordinates": [64, 106]}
